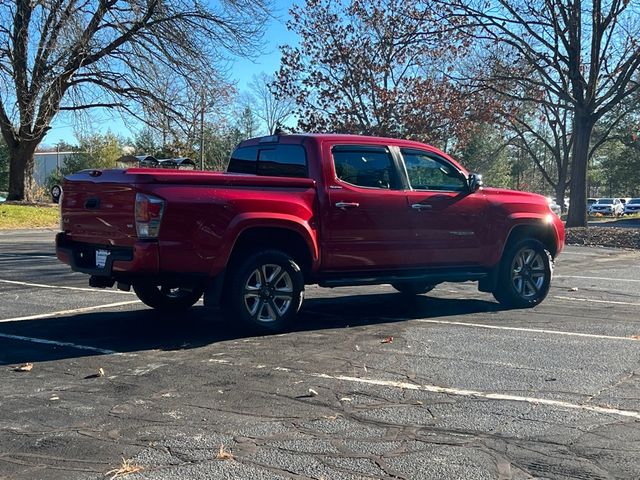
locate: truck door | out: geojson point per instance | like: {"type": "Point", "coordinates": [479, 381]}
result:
{"type": "Point", "coordinates": [449, 223]}
{"type": "Point", "coordinates": [364, 226]}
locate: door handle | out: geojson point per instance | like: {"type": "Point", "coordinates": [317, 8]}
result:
{"type": "Point", "coordinates": [421, 206]}
{"type": "Point", "coordinates": [345, 205]}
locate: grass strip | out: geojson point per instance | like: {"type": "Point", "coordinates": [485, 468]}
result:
{"type": "Point", "coordinates": [14, 216]}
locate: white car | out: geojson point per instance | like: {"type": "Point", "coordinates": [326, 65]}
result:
{"type": "Point", "coordinates": [555, 208]}
{"type": "Point", "coordinates": [632, 206]}
{"type": "Point", "coordinates": [607, 206]}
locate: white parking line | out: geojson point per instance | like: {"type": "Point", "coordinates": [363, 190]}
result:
{"type": "Point", "coordinates": [62, 287]}
{"type": "Point", "coordinates": [479, 394]}
{"type": "Point", "coordinates": [599, 278]}
{"type": "Point", "coordinates": [591, 300]}
{"type": "Point", "coordinates": [58, 344]}
{"type": "Point", "coordinates": [25, 256]}
{"type": "Point", "coordinates": [68, 312]}
{"type": "Point", "coordinates": [519, 329]}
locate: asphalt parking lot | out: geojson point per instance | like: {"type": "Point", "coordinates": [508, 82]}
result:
{"type": "Point", "coordinates": [369, 385]}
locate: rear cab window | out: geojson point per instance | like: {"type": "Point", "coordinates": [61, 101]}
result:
{"type": "Point", "coordinates": [270, 160]}
{"type": "Point", "coordinates": [365, 166]}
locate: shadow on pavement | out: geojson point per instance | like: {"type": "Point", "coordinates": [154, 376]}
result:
{"type": "Point", "coordinates": [146, 329]}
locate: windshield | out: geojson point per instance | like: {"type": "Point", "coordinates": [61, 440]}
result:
{"type": "Point", "coordinates": [605, 201]}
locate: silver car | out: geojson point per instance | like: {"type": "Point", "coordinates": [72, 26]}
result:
{"type": "Point", "coordinates": [632, 206]}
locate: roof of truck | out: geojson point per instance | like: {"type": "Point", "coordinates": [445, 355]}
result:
{"type": "Point", "coordinates": [334, 137]}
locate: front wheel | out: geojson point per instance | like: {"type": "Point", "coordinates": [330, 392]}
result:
{"type": "Point", "coordinates": [413, 288]}
{"type": "Point", "coordinates": [168, 297]}
{"type": "Point", "coordinates": [265, 292]}
{"type": "Point", "coordinates": [525, 274]}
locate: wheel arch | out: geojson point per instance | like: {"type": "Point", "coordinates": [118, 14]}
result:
{"type": "Point", "coordinates": [541, 231]}
{"type": "Point", "coordinates": [285, 237]}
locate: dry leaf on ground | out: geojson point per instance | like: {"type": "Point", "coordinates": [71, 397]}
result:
{"type": "Point", "coordinates": [27, 367]}
{"type": "Point", "coordinates": [224, 454]}
{"type": "Point", "coordinates": [387, 340]}
{"type": "Point", "coordinates": [127, 468]}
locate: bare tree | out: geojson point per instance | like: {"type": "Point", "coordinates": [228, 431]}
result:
{"type": "Point", "coordinates": [543, 132]}
{"type": "Point", "coordinates": [586, 54]}
{"type": "Point", "coordinates": [176, 120]}
{"type": "Point", "coordinates": [73, 55]}
{"type": "Point", "coordinates": [274, 110]}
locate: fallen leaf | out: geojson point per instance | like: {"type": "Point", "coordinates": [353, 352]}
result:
{"type": "Point", "coordinates": [98, 374]}
{"type": "Point", "coordinates": [313, 393]}
{"type": "Point", "coordinates": [54, 397]}
{"type": "Point", "coordinates": [127, 468]}
{"type": "Point", "coordinates": [387, 340]}
{"type": "Point", "coordinates": [346, 399]}
{"type": "Point", "coordinates": [27, 367]}
{"type": "Point", "coordinates": [573, 289]}
{"type": "Point", "coordinates": [635, 337]}
{"type": "Point", "coordinates": [224, 454]}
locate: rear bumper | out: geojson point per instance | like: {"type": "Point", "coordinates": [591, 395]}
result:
{"type": "Point", "coordinates": [141, 259]}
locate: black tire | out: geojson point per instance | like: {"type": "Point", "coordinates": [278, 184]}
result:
{"type": "Point", "coordinates": [264, 292]}
{"type": "Point", "coordinates": [525, 275]}
{"type": "Point", "coordinates": [168, 298]}
{"type": "Point", "coordinates": [413, 288]}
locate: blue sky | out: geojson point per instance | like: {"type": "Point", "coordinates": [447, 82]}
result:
{"type": "Point", "coordinates": [241, 72]}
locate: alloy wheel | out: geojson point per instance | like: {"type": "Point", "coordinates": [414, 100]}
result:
{"type": "Point", "coordinates": [268, 293]}
{"type": "Point", "coordinates": [528, 273]}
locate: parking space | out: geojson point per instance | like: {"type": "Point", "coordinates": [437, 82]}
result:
{"type": "Point", "coordinates": [370, 384]}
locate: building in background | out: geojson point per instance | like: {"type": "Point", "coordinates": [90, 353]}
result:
{"type": "Point", "coordinates": [47, 163]}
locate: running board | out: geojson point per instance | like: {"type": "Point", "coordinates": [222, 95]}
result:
{"type": "Point", "coordinates": [435, 277]}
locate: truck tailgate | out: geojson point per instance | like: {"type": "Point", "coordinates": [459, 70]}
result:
{"type": "Point", "coordinates": [98, 207]}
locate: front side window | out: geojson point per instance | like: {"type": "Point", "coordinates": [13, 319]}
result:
{"type": "Point", "coordinates": [427, 172]}
{"type": "Point", "coordinates": [365, 166]}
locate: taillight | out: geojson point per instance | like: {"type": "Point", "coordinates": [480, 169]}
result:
{"type": "Point", "coordinates": [149, 210]}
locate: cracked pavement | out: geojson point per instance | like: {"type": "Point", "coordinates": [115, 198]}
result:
{"type": "Point", "coordinates": [464, 390]}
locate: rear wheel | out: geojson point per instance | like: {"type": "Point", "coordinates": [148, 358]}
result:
{"type": "Point", "coordinates": [525, 275]}
{"type": "Point", "coordinates": [171, 298]}
{"type": "Point", "coordinates": [413, 288]}
{"type": "Point", "coordinates": [265, 292]}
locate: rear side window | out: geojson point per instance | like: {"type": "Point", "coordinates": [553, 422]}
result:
{"type": "Point", "coordinates": [365, 166]}
{"type": "Point", "coordinates": [271, 160]}
{"type": "Point", "coordinates": [243, 160]}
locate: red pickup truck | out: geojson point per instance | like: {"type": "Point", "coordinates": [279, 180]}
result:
{"type": "Point", "coordinates": [294, 210]}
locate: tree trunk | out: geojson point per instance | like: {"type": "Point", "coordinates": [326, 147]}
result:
{"type": "Point", "coordinates": [561, 186]}
{"type": "Point", "coordinates": [582, 128]}
{"type": "Point", "coordinates": [21, 163]}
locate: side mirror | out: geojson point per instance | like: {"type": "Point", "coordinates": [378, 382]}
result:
{"type": "Point", "coordinates": [475, 181]}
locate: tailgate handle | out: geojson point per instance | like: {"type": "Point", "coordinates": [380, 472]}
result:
{"type": "Point", "coordinates": [92, 204]}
